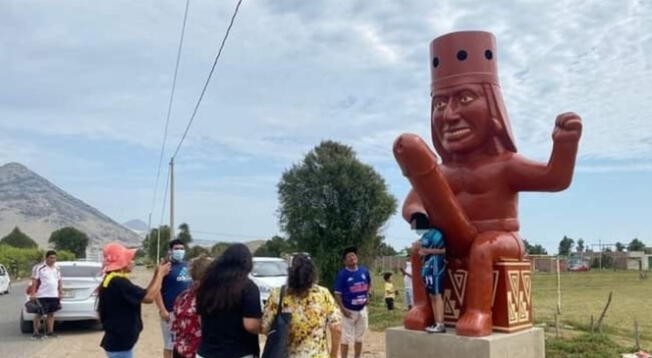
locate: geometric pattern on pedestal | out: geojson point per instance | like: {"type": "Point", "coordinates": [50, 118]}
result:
{"type": "Point", "coordinates": [511, 295]}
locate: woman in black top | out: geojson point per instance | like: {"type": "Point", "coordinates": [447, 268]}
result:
{"type": "Point", "coordinates": [119, 301]}
{"type": "Point", "coordinates": [229, 306]}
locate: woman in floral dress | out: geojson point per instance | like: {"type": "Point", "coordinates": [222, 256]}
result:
{"type": "Point", "coordinates": [313, 309]}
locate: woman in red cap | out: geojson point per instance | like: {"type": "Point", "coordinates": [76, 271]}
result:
{"type": "Point", "coordinates": [119, 300]}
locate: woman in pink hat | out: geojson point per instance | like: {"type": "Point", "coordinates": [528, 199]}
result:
{"type": "Point", "coordinates": [119, 300]}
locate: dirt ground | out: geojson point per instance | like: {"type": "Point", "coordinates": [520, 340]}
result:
{"type": "Point", "coordinates": [85, 343]}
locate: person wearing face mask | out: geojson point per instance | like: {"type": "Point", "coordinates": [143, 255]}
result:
{"type": "Point", "coordinates": [174, 283]}
{"type": "Point", "coordinates": [431, 248]}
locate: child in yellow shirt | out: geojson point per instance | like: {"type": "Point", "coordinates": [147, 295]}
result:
{"type": "Point", "coordinates": [390, 291]}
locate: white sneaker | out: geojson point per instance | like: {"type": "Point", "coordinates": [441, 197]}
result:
{"type": "Point", "coordinates": [436, 328]}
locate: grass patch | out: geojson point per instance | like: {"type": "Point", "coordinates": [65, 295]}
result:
{"type": "Point", "coordinates": [583, 294]}
{"type": "Point", "coordinates": [379, 317]}
{"type": "Point", "coordinates": [584, 346]}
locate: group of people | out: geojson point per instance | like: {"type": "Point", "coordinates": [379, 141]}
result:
{"type": "Point", "coordinates": [211, 308]}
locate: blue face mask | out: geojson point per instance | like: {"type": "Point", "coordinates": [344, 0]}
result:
{"type": "Point", "coordinates": [178, 255]}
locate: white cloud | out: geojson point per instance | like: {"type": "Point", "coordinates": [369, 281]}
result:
{"type": "Point", "coordinates": [296, 72]}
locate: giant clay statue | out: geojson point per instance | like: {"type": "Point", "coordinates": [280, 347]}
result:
{"type": "Point", "coordinates": [472, 194]}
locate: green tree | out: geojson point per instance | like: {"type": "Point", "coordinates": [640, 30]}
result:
{"type": "Point", "coordinates": [580, 246]}
{"type": "Point", "coordinates": [385, 249]}
{"type": "Point", "coordinates": [184, 234]}
{"type": "Point", "coordinates": [605, 260]}
{"type": "Point", "coordinates": [197, 251]}
{"type": "Point", "coordinates": [151, 243]}
{"type": "Point", "coordinates": [534, 250]}
{"type": "Point", "coordinates": [538, 250]}
{"type": "Point", "coordinates": [70, 239]}
{"type": "Point", "coordinates": [331, 200]}
{"type": "Point", "coordinates": [19, 239]}
{"type": "Point", "coordinates": [219, 248]}
{"type": "Point", "coordinates": [565, 246]}
{"type": "Point", "coordinates": [636, 245]}
{"type": "Point", "coordinates": [620, 247]}
{"type": "Point", "coordinates": [275, 247]}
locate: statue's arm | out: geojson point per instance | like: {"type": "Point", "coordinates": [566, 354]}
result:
{"type": "Point", "coordinates": [557, 174]}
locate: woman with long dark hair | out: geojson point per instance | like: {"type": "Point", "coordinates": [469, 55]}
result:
{"type": "Point", "coordinates": [313, 310]}
{"type": "Point", "coordinates": [228, 303]}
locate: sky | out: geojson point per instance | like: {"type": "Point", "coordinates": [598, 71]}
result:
{"type": "Point", "coordinates": [85, 87]}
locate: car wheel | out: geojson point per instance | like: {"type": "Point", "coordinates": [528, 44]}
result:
{"type": "Point", "coordinates": [25, 326]}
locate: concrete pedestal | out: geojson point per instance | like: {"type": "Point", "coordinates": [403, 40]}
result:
{"type": "Point", "coordinates": [402, 343]}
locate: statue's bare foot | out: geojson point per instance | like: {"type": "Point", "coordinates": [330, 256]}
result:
{"type": "Point", "coordinates": [474, 324]}
{"type": "Point", "coordinates": [419, 318]}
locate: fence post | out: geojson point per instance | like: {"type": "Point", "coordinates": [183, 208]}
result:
{"type": "Point", "coordinates": [638, 336]}
{"type": "Point", "coordinates": [558, 288]}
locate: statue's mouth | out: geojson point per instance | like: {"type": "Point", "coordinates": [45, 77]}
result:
{"type": "Point", "coordinates": [456, 133]}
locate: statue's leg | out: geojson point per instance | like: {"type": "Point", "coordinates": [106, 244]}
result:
{"type": "Point", "coordinates": [419, 165]}
{"type": "Point", "coordinates": [487, 248]}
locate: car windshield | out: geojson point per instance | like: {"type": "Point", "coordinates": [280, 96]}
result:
{"type": "Point", "coordinates": [80, 271]}
{"type": "Point", "coordinates": [270, 268]}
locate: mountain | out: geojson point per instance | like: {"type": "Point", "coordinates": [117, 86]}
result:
{"type": "Point", "coordinates": [39, 207]}
{"type": "Point", "coordinates": [136, 225]}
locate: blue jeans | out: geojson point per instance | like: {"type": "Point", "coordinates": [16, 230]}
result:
{"type": "Point", "coordinates": [123, 354]}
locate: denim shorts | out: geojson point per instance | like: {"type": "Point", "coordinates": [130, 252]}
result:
{"type": "Point", "coordinates": [122, 354]}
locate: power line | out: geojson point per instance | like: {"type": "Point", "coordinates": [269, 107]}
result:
{"type": "Point", "coordinates": [171, 100]}
{"type": "Point", "coordinates": [210, 74]}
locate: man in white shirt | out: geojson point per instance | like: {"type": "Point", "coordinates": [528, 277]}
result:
{"type": "Point", "coordinates": [407, 281]}
{"type": "Point", "coordinates": [46, 288]}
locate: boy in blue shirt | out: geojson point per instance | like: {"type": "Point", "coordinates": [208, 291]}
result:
{"type": "Point", "coordinates": [431, 248]}
{"type": "Point", "coordinates": [352, 287]}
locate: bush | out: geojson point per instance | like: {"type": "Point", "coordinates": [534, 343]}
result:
{"type": "Point", "coordinates": [17, 238]}
{"type": "Point", "coordinates": [19, 261]}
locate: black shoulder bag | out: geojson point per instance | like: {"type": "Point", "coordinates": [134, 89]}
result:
{"type": "Point", "coordinates": [276, 345]}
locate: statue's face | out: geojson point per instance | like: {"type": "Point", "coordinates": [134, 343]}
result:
{"type": "Point", "coordinates": [461, 119]}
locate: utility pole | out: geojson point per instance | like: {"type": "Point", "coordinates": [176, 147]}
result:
{"type": "Point", "coordinates": [172, 199]}
{"type": "Point", "coordinates": [158, 244]}
{"type": "Point", "coordinates": [600, 245]}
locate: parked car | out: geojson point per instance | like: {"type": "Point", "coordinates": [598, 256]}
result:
{"type": "Point", "coordinates": [579, 267]}
{"type": "Point", "coordinates": [269, 273]}
{"type": "Point", "coordinates": [5, 280]}
{"type": "Point", "coordinates": [80, 280]}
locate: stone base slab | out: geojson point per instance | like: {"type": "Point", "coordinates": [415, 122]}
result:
{"type": "Point", "coordinates": [403, 343]}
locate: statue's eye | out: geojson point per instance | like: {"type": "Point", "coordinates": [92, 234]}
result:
{"type": "Point", "coordinates": [466, 98]}
{"type": "Point", "coordinates": [440, 104]}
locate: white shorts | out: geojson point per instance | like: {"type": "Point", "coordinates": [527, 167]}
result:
{"type": "Point", "coordinates": [168, 336]}
{"type": "Point", "coordinates": [353, 328]}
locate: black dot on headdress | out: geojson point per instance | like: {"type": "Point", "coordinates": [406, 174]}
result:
{"type": "Point", "coordinates": [461, 55]}
{"type": "Point", "coordinates": [488, 54]}
{"type": "Point", "coordinates": [435, 62]}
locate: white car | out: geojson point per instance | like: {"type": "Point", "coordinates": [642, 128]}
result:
{"type": "Point", "coordinates": [269, 273]}
{"type": "Point", "coordinates": [5, 280]}
{"type": "Point", "coordinates": [80, 281]}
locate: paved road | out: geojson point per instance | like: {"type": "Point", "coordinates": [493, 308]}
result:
{"type": "Point", "coordinates": [14, 344]}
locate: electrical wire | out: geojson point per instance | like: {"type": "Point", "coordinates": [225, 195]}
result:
{"type": "Point", "coordinates": [208, 79]}
{"type": "Point", "coordinates": [171, 100]}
